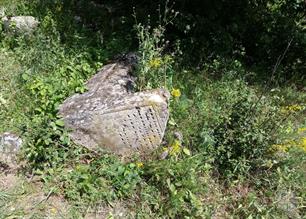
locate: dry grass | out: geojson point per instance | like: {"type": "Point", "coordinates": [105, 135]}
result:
{"type": "Point", "coordinates": [22, 199]}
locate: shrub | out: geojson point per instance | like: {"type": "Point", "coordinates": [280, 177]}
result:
{"type": "Point", "coordinates": [245, 137]}
{"type": "Point", "coordinates": [227, 120]}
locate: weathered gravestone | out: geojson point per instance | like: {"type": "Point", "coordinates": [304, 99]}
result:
{"type": "Point", "coordinates": [10, 145]}
{"type": "Point", "coordinates": [109, 116]}
{"type": "Point", "coordinates": [20, 24]}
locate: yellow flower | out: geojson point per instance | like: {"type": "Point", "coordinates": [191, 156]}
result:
{"type": "Point", "coordinates": [303, 144]}
{"type": "Point", "coordinates": [281, 147]}
{"type": "Point", "coordinates": [155, 62]}
{"type": "Point", "coordinates": [292, 109]}
{"type": "Point", "coordinates": [176, 92]}
{"type": "Point", "coordinates": [139, 164]}
{"type": "Point", "coordinates": [295, 108]}
{"type": "Point", "coordinates": [175, 147]}
{"type": "Point", "coordinates": [300, 130]}
{"type": "Point", "coordinates": [53, 210]}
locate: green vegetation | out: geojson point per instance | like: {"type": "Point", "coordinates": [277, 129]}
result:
{"type": "Point", "coordinates": [237, 80]}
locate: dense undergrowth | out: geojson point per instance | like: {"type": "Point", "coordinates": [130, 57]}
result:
{"type": "Point", "coordinates": [236, 147]}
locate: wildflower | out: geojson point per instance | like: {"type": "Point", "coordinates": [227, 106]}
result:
{"type": "Point", "coordinates": [53, 210]}
{"type": "Point", "coordinates": [281, 147]}
{"type": "Point", "coordinates": [301, 130]}
{"type": "Point", "coordinates": [295, 108]}
{"type": "Point", "coordinates": [155, 62]}
{"type": "Point", "coordinates": [303, 144]}
{"type": "Point", "coordinates": [175, 147]}
{"type": "Point", "coordinates": [176, 92]}
{"type": "Point", "coordinates": [139, 164]}
{"type": "Point", "coordinates": [292, 109]}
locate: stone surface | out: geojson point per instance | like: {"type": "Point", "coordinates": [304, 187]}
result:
{"type": "Point", "coordinates": [10, 145]}
{"type": "Point", "coordinates": [288, 202]}
{"type": "Point", "coordinates": [110, 116]}
{"type": "Point", "coordinates": [20, 24]}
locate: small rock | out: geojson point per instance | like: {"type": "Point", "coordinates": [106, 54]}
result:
{"type": "Point", "coordinates": [288, 203]}
{"type": "Point", "coordinates": [164, 155]}
{"type": "Point", "coordinates": [20, 24]}
{"type": "Point", "coordinates": [10, 145]}
{"type": "Point", "coordinates": [178, 136]}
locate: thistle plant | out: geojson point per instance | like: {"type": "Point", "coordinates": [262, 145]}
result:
{"type": "Point", "coordinates": [155, 65]}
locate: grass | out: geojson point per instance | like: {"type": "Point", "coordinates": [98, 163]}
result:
{"type": "Point", "coordinates": [25, 199]}
{"type": "Point", "coordinates": [231, 162]}
{"type": "Point", "coordinates": [12, 112]}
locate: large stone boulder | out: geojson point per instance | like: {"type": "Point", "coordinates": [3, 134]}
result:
{"type": "Point", "coordinates": [20, 24]}
{"type": "Point", "coordinates": [10, 145]}
{"type": "Point", "coordinates": [110, 116]}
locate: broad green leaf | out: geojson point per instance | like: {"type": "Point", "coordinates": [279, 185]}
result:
{"type": "Point", "coordinates": [186, 151]}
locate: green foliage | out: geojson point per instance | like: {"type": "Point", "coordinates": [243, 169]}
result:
{"type": "Point", "coordinates": [225, 164]}
{"type": "Point", "coordinates": [179, 182]}
{"type": "Point", "coordinates": [47, 87]}
{"type": "Point", "coordinates": [245, 137]}
{"type": "Point", "coordinates": [103, 179]}
{"type": "Point", "coordinates": [155, 68]}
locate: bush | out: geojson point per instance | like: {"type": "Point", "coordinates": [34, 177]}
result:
{"type": "Point", "coordinates": [227, 120]}
{"type": "Point", "coordinates": [243, 139]}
